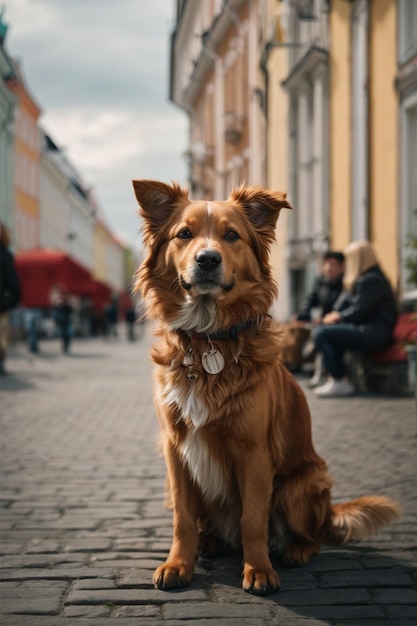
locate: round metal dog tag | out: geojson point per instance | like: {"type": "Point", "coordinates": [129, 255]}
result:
{"type": "Point", "coordinates": [213, 361]}
{"type": "Point", "coordinates": [188, 360]}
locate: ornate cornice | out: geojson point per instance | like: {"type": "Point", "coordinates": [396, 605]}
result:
{"type": "Point", "coordinates": [313, 60]}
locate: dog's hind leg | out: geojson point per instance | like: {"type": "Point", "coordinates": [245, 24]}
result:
{"type": "Point", "coordinates": [305, 500]}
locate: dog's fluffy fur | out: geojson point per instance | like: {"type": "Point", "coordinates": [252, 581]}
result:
{"type": "Point", "coordinates": [242, 469]}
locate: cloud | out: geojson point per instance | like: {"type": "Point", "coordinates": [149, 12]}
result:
{"type": "Point", "coordinates": [96, 139]}
{"type": "Point", "coordinates": [100, 71]}
{"type": "Point", "coordinates": [100, 140]}
{"type": "Point", "coordinates": [116, 56]}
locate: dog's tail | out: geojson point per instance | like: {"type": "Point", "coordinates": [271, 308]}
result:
{"type": "Point", "coordinates": [355, 520]}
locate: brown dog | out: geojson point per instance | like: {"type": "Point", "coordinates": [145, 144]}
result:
{"type": "Point", "coordinates": [236, 432]}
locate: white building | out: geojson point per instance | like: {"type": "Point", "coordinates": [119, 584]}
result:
{"type": "Point", "coordinates": [67, 216]}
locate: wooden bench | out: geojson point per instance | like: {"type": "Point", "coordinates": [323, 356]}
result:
{"type": "Point", "coordinates": [386, 371]}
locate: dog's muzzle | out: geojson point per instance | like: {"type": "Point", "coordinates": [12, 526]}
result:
{"type": "Point", "coordinates": [208, 273]}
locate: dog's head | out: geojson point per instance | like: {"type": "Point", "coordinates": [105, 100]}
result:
{"type": "Point", "coordinates": [207, 255]}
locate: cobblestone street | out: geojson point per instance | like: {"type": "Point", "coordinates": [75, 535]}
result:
{"type": "Point", "coordinates": [83, 523]}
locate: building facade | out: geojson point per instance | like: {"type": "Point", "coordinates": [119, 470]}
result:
{"type": "Point", "coordinates": [374, 87]}
{"type": "Point", "coordinates": [314, 97]}
{"type": "Point", "coordinates": [306, 42]}
{"type": "Point", "coordinates": [54, 197]}
{"type": "Point", "coordinates": [406, 86]}
{"type": "Point", "coordinates": [352, 132]}
{"type": "Point", "coordinates": [217, 80]}
{"type": "Point", "coordinates": [8, 104]}
{"type": "Point", "coordinates": [108, 252]}
{"type": "Point", "coordinates": [26, 164]}
{"type": "Point", "coordinates": [275, 63]}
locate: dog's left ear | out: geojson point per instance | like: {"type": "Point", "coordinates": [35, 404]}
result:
{"type": "Point", "coordinates": [157, 201]}
{"type": "Point", "coordinates": [262, 207]}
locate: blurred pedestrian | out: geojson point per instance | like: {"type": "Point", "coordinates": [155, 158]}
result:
{"type": "Point", "coordinates": [130, 318]}
{"type": "Point", "coordinates": [10, 292]}
{"type": "Point", "coordinates": [33, 318]}
{"type": "Point", "coordinates": [63, 312]}
{"type": "Point", "coordinates": [363, 320]}
{"type": "Point", "coordinates": [111, 317]}
{"type": "Point", "coordinates": [140, 315]}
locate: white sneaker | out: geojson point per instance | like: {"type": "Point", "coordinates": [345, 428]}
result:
{"type": "Point", "coordinates": [318, 377]}
{"type": "Point", "coordinates": [335, 388]}
{"type": "Point", "coordinates": [317, 380]}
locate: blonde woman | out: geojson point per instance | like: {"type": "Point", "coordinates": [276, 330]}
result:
{"type": "Point", "coordinates": [363, 319]}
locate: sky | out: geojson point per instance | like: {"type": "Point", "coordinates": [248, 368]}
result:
{"type": "Point", "coordinates": [99, 69]}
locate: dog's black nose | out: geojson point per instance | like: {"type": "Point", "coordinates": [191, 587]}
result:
{"type": "Point", "coordinates": [208, 259]}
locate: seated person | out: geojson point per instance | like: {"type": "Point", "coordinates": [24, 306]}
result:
{"type": "Point", "coordinates": [327, 287]}
{"type": "Point", "coordinates": [363, 319]}
{"type": "Point", "coordinates": [320, 301]}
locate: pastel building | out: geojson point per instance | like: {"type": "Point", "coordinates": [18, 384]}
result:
{"type": "Point", "coordinates": [216, 79]}
{"type": "Point", "coordinates": [8, 103]}
{"type": "Point", "coordinates": [27, 163]}
{"type": "Point", "coordinates": [314, 97]}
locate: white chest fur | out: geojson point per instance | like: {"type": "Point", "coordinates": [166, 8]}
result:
{"type": "Point", "coordinates": [204, 469]}
{"type": "Point", "coordinates": [193, 409]}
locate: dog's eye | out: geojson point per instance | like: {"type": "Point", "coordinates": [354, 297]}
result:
{"type": "Point", "coordinates": [185, 233]}
{"type": "Point", "coordinates": [231, 235]}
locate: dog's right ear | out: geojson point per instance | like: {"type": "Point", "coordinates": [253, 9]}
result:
{"type": "Point", "coordinates": [157, 201]}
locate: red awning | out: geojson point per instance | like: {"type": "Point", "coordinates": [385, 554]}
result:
{"type": "Point", "coordinates": [99, 292]}
{"type": "Point", "coordinates": [39, 270]}
{"type": "Point", "coordinates": [125, 301]}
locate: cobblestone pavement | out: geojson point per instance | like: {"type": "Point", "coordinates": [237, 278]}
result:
{"type": "Point", "coordinates": [83, 523]}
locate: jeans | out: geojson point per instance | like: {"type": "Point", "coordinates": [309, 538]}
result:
{"type": "Point", "coordinates": [65, 333]}
{"type": "Point", "coordinates": [333, 340]}
{"type": "Point", "coordinates": [32, 321]}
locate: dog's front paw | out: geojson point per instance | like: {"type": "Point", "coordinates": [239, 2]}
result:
{"type": "Point", "coordinates": [260, 581]}
{"type": "Point", "coordinates": [172, 575]}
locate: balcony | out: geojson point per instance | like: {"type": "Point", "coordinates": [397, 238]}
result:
{"type": "Point", "coordinates": [233, 124]}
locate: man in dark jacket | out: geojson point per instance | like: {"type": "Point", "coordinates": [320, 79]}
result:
{"type": "Point", "coordinates": [327, 288]}
{"type": "Point", "coordinates": [320, 301]}
{"type": "Point", "coordinates": [9, 291]}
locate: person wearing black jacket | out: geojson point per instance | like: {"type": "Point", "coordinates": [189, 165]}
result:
{"type": "Point", "coordinates": [10, 292]}
{"type": "Point", "coordinates": [320, 301]}
{"type": "Point", "coordinates": [326, 289]}
{"type": "Point", "coordinates": [63, 312]}
{"type": "Point", "coordinates": [363, 320]}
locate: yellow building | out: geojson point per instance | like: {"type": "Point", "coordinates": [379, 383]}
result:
{"type": "Point", "coordinates": [27, 165]}
{"type": "Point", "coordinates": [275, 65]}
{"type": "Point", "coordinates": [314, 97]}
{"type": "Point", "coordinates": [351, 126]}
{"type": "Point", "coordinates": [364, 129]}
{"type": "Point", "coordinates": [109, 254]}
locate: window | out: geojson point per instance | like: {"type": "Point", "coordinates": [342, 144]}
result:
{"type": "Point", "coordinates": [408, 176]}
{"type": "Point", "coordinates": [407, 86]}
{"type": "Point", "coordinates": [407, 36]}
